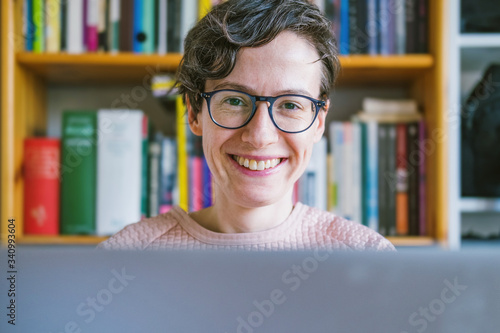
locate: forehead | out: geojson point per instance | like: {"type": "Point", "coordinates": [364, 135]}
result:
{"type": "Point", "coordinates": [287, 63]}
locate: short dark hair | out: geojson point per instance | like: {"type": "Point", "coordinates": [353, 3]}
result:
{"type": "Point", "coordinates": [211, 46]}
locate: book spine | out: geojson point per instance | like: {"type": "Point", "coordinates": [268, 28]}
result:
{"type": "Point", "coordinates": [414, 161]}
{"type": "Point", "coordinates": [91, 25]}
{"type": "Point", "coordinates": [182, 157]}
{"type": "Point", "coordinates": [362, 38]}
{"type": "Point", "coordinates": [114, 26]}
{"type": "Point", "coordinates": [119, 169]}
{"type": "Point", "coordinates": [79, 161]}
{"type": "Point", "coordinates": [75, 29]}
{"type": "Point", "coordinates": [339, 169]}
{"type": "Point", "coordinates": [400, 21]}
{"type": "Point", "coordinates": [162, 27]}
{"type": "Point", "coordinates": [154, 178]}
{"type": "Point", "coordinates": [372, 184]}
{"type": "Point", "coordinates": [344, 27]}
{"type": "Point", "coordinates": [29, 26]}
{"type": "Point", "coordinates": [382, 184]}
{"type": "Point", "coordinates": [149, 23]}
{"type": "Point", "coordinates": [39, 24]}
{"type": "Point", "coordinates": [391, 180]}
{"type": "Point", "coordinates": [422, 22]}
{"type": "Point", "coordinates": [357, 173]}
{"type": "Point", "coordinates": [204, 6]}
{"type": "Point", "coordinates": [138, 35]}
{"type": "Point", "coordinates": [126, 25]}
{"type": "Point", "coordinates": [197, 183]}
{"type": "Point", "coordinates": [354, 48]}
{"type": "Point", "coordinates": [347, 172]}
{"type": "Point", "coordinates": [41, 186]}
{"type": "Point", "coordinates": [422, 180]}
{"type": "Point", "coordinates": [336, 22]}
{"type": "Point", "coordinates": [384, 18]}
{"type": "Point", "coordinates": [174, 26]}
{"type": "Point", "coordinates": [103, 26]}
{"type": "Point", "coordinates": [373, 27]}
{"type": "Point", "coordinates": [411, 26]}
{"type": "Point", "coordinates": [53, 25]}
{"type": "Point", "coordinates": [402, 223]}
{"type": "Point", "coordinates": [188, 20]}
{"type": "Point", "coordinates": [333, 204]}
{"type": "Point", "coordinates": [207, 184]}
{"type": "Point", "coordinates": [168, 174]}
{"type": "Point", "coordinates": [64, 26]}
{"type": "Point", "coordinates": [145, 169]}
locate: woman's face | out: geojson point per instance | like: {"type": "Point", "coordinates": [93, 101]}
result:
{"type": "Point", "coordinates": [286, 65]}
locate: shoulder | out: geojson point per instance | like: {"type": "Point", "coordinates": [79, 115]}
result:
{"type": "Point", "coordinates": [138, 236]}
{"type": "Point", "coordinates": [351, 235]}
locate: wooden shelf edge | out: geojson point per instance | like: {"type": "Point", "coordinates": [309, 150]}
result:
{"type": "Point", "coordinates": [60, 240]}
{"type": "Point", "coordinates": [415, 61]}
{"type": "Point", "coordinates": [412, 241]}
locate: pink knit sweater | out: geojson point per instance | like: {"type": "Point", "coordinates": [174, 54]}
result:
{"type": "Point", "coordinates": [305, 228]}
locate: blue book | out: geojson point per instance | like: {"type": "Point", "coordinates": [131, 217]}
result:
{"type": "Point", "coordinates": [384, 19]}
{"type": "Point", "coordinates": [344, 27]}
{"type": "Point", "coordinates": [139, 35]}
{"type": "Point", "coordinates": [207, 185]}
{"type": "Point", "coordinates": [371, 173]}
{"type": "Point", "coordinates": [30, 27]}
{"type": "Point", "coordinates": [373, 27]}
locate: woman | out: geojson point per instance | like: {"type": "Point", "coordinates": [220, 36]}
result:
{"type": "Point", "coordinates": [256, 77]}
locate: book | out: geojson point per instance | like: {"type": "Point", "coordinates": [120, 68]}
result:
{"type": "Point", "coordinates": [168, 173]}
{"type": "Point", "coordinates": [154, 178]}
{"type": "Point", "coordinates": [383, 188]}
{"type": "Point", "coordinates": [313, 183]}
{"type": "Point", "coordinates": [75, 29]}
{"type": "Point", "coordinates": [91, 24]}
{"type": "Point", "coordinates": [388, 118]}
{"type": "Point", "coordinates": [162, 27]}
{"type": "Point", "coordinates": [64, 26]}
{"type": "Point", "coordinates": [400, 26]}
{"type": "Point", "coordinates": [78, 172]}
{"type": "Point", "coordinates": [372, 26]}
{"type": "Point", "coordinates": [371, 187]}
{"type": "Point", "coordinates": [344, 28]}
{"type": "Point", "coordinates": [41, 186]}
{"type": "Point", "coordinates": [207, 185]}
{"type": "Point", "coordinates": [384, 19]}
{"type": "Point", "coordinates": [53, 25]}
{"type": "Point", "coordinates": [139, 36]}
{"type": "Point", "coordinates": [336, 133]}
{"type": "Point", "coordinates": [402, 204]}
{"type": "Point", "coordinates": [182, 155]}
{"type": "Point", "coordinates": [422, 26]}
{"type": "Point", "coordinates": [422, 181]}
{"type": "Point", "coordinates": [357, 174]}
{"type": "Point", "coordinates": [189, 18]}
{"type": "Point", "coordinates": [390, 179]}
{"type": "Point", "coordinates": [149, 24]}
{"type": "Point", "coordinates": [346, 180]}
{"type": "Point", "coordinates": [114, 25]}
{"type": "Point", "coordinates": [145, 168]}
{"type": "Point", "coordinates": [411, 26]}
{"type": "Point", "coordinates": [414, 159]}
{"type": "Point", "coordinates": [204, 6]}
{"type": "Point", "coordinates": [119, 169]}
{"type": "Point", "coordinates": [389, 106]}
{"type": "Point", "coordinates": [174, 8]}
{"type": "Point", "coordinates": [28, 25]}
{"type": "Point", "coordinates": [126, 34]}
{"type": "Point", "coordinates": [39, 26]}
{"type": "Point", "coordinates": [103, 26]}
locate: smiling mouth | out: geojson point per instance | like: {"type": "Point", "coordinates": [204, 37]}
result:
{"type": "Point", "coordinates": [256, 165]}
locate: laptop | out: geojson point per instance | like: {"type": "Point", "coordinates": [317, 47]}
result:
{"type": "Point", "coordinates": [87, 290]}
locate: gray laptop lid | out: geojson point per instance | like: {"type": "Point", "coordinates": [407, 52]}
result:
{"type": "Point", "coordinates": [85, 290]}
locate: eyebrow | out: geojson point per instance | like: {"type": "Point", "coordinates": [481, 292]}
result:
{"type": "Point", "coordinates": [248, 90]}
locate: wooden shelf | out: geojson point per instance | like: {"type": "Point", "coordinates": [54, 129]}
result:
{"type": "Point", "coordinates": [97, 67]}
{"type": "Point", "coordinates": [60, 240]}
{"type": "Point", "coordinates": [412, 241]}
{"type": "Point", "coordinates": [130, 67]}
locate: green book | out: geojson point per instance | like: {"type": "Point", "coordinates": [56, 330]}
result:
{"type": "Point", "coordinates": [149, 26]}
{"type": "Point", "coordinates": [78, 172]}
{"type": "Point", "coordinates": [39, 26]}
{"type": "Point", "coordinates": [145, 168]}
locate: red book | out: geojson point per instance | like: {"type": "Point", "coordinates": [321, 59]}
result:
{"type": "Point", "coordinates": [41, 186]}
{"type": "Point", "coordinates": [402, 181]}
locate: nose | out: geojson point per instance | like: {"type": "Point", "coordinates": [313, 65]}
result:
{"type": "Point", "coordinates": [260, 131]}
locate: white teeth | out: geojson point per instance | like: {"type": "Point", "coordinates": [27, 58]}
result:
{"type": "Point", "coordinates": [257, 165]}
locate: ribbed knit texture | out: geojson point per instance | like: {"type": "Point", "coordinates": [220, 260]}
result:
{"type": "Point", "coordinates": [305, 228]}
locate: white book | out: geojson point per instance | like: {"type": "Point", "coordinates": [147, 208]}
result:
{"type": "Point", "coordinates": [75, 26]}
{"type": "Point", "coordinates": [392, 106]}
{"type": "Point", "coordinates": [336, 139]}
{"type": "Point", "coordinates": [114, 29]}
{"type": "Point", "coordinates": [119, 169]}
{"type": "Point", "coordinates": [313, 182]}
{"type": "Point", "coordinates": [189, 17]}
{"type": "Point", "coordinates": [356, 173]}
{"type": "Point", "coordinates": [162, 27]}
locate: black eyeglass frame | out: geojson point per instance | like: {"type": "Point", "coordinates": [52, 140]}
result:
{"type": "Point", "coordinates": [317, 103]}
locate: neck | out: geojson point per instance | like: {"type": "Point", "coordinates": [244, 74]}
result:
{"type": "Point", "coordinates": [226, 216]}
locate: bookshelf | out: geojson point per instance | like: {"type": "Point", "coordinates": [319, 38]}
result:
{"type": "Point", "coordinates": [26, 76]}
{"type": "Point", "coordinates": [469, 55]}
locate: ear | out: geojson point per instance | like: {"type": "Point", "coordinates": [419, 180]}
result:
{"type": "Point", "coordinates": [194, 120]}
{"type": "Point", "coordinates": [320, 128]}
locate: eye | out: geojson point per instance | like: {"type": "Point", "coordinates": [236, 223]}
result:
{"type": "Point", "coordinates": [291, 106]}
{"type": "Point", "coordinates": [234, 101]}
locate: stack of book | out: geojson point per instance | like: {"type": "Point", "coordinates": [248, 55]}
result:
{"type": "Point", "coordinates": [377, 176]}
{"type": "Point", "coordinates": [140, 26]}
{"type": "Point", "coordinates": [379, 26]}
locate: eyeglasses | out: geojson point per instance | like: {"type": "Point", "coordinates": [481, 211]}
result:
{"type": "Point", "coordinates": [233, 109]}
